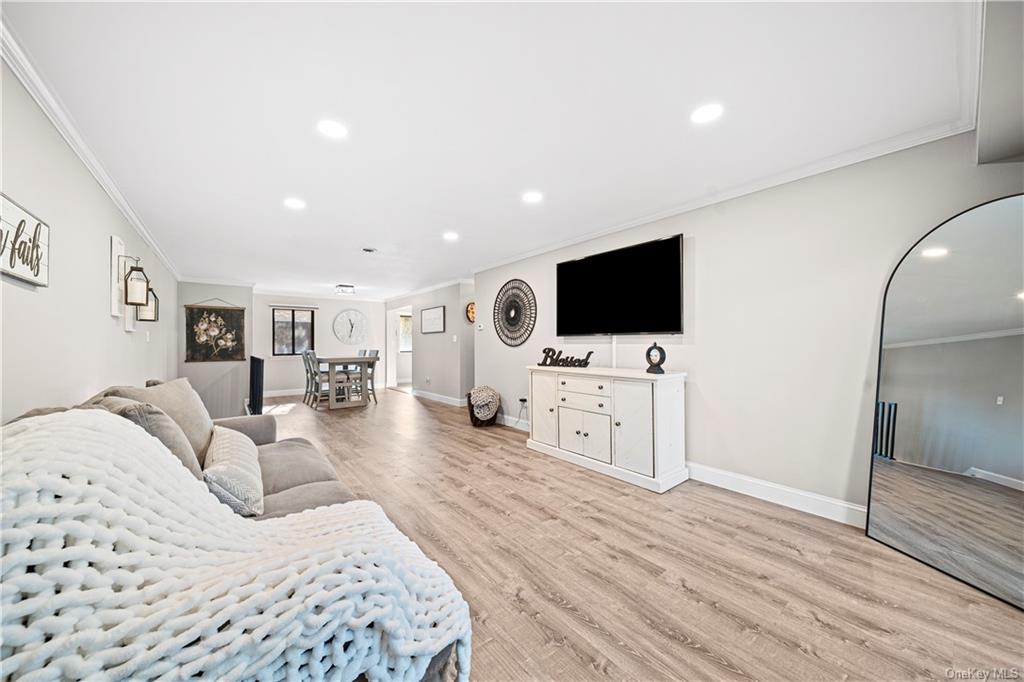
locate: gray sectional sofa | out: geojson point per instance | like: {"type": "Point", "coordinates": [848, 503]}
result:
{"type": "Point", "coordinates": [295, 475]}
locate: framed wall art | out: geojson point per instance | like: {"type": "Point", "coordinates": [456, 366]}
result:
{"type": "Point", "coordinates": [432, 320]}
{"type": "Point", "coordinates": [24, 244]}
{"type": "Point", "coordinates": [214, 334]}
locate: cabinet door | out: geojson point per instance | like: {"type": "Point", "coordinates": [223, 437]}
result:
{"type": "Point", "coordinates": [634, 426]}
{"type": "Point", "coordinates": [570, 430]}
{"type": "Point", "coordinates": [543, 414]}
{"type": "Point", "coordinates": [597, 438]}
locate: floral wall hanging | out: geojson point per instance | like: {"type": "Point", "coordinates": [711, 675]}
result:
{"type": "Point", "coordinates": [214, 334]}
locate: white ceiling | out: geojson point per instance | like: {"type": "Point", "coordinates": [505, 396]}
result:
{"type": "Point", "coordinates": [971, 290]}
{"type": "Point", "coordinates": [203, 115]}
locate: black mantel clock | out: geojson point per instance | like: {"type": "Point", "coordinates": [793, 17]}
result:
{"type": "Point", "coordinates": [655, 358]}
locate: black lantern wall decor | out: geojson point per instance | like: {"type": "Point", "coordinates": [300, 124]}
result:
{"type": "Point", "coordinates": [151, 312]}
{"type": "Point", "coordinates": [136, 284]}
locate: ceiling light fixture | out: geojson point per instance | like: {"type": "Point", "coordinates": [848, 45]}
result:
{"type": "Point", "coordinates": [532, 197]}
{"type": "Point", "coordinates": [294, 203]}
{"type": "Point", "coordinates": [450, 236]}
{"type": "Point", "coordinates": [345, 289]}
{"type": "Point", "coordinates": [1021, 295]}
{"type": "Point", "coordinates": [369, 249]}
{"type": "Point", "coordinates": [332, 129]}
{"type": "Point", "coordinates": [935, 252]}
{"type": "Point", "coordinates": [706, 113]}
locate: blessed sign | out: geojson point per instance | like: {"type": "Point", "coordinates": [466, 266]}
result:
{"type": "Point", "coordinates": [554, 358]}
{"type": "Point", "coordinates": [24, 244]}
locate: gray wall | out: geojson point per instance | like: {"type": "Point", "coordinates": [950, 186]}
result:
{"type": "Point", "coordinates": [441, 362]}
{"type": "Point", "coordinates": [284, 374]}
{"type": "Point", "coordinates": [60, 343]}
{"type": "Point", "coordinates": [223, 385]}
{"type": "Point", "coordinates": [947, 416]}
{"type": "Point", "coordinates": [783, 292]}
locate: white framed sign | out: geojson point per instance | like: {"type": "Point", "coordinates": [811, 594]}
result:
{"type": "Point", "coordinates": [24, 244]}
{"type": "Point", "coordinates": [432, 320]}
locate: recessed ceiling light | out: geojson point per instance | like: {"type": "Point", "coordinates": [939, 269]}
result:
{"type": "Point", "coordinates": [706, 113]}
{"type": "Point", "coordinates": [1021, 295]}
{"type": "Point", "coordinates": [332, 129]}
{"type": "Point", "coordinates": [532, 197]}
{"type": "Point", "coordinates": [345, 289]}
{"type": "Point", "coordinates": [451, 236]}
{"type": "Point", "coordinates": [369, 249]}
{"type": "Point", "coordinates": [294, 203]}
{"type": "Point", "coordinates": [935, 252]}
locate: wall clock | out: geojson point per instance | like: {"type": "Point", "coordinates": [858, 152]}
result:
{"type": "Point", "coordinates": [350, 327]}
{"type": "Point", "coordinates": [515, 312]}
{"type": "Point", "coordinates": [471, 312]}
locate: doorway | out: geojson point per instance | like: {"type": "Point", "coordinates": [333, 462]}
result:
{"type": "Point", "coordinates": [400, 350]}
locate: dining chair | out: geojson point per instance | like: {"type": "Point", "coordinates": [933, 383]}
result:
{"type": "Point", "coordinates": [319, 380]}
{"type": "Point", "coordinates": [370, 367]}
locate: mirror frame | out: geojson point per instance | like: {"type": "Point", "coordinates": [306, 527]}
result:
{"type": "Point", "coordinates": [878, 389]}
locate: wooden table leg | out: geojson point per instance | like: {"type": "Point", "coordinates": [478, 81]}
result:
{"type": "Point", "coordinates": [333, 386]}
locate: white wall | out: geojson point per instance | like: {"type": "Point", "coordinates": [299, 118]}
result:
{"type": "Point", "coordinates": [60, 343]}
{"type": "Point", "coordinates": [782, 295]}
{"type": "Point", "coordinates": [284, 374]}
{"type": "Point", "coordinates": [947, 415]}
{"type": "Point", "coordinates": [441, 362]}
{"type": "Point", "coordinates": [223, 385]}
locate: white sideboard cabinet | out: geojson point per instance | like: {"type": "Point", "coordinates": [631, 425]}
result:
{"type": "Point", "coordinates": [625, 423]}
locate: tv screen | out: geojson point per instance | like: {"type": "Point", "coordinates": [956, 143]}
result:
{"type": "Point", "coordinates": [635, 290]}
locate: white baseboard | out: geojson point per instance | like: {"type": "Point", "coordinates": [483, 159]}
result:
{"type": "Point", "coordinates": [991, 477]}
{"type": "Point", "coordinates": [512, 422]}
{"type": "Point", "coordinates": [794, 498]}
{"type": "Point", "coordinates": [280, 393]}
{"type": "Point", "coordinates": [437, 397]}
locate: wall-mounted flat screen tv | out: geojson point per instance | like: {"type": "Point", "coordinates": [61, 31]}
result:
{"type": "Point", "coordinates": [634, 290]}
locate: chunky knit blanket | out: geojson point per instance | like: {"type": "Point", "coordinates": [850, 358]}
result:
{"type": "Point", "coordinates": [485, 401]}
{"type": "Point", "coordinates": [117, 563]}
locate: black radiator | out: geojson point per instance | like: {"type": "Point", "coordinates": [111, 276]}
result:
{"type": "Point", "coordinates": [883, 440]}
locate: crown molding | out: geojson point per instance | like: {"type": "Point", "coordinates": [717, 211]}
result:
{"type": "Point", "coordinates": [23, 69]}
{"type": "Point", "coordinates": [299, 296]}
{"type": "Point", "coordinates": [997, 334]}
{"type": "Point", "coordinates": [216, 282]}
{"type": "Point", "coordinates": [433, 287]}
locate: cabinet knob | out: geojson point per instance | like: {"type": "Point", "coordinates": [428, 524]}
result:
{"type": "Point", "coordinates": [577, 432]}
{"type": "Point", "coordinates": [618, 423]}
{"type": "Point", "coordinates": [551, 409]}
{"type": "Point", "coordinates": [585, 434]}
{"type": "Point", "coordinates": [600, 387]}
{"type": "Point", "coordinates": [600, 404]}
{"type": "Point", "coordinates": [563, 383]}
{"type": "Point", "coordinates": [563, 400]}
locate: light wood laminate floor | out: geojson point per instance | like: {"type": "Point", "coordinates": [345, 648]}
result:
{"type": "Point", "coordinates": [971, 528]}
{"type": "Point", "coordinates": [571, 575]}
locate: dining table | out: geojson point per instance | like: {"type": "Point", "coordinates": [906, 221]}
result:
{"type": "Point", "coordinates": [346, 374]}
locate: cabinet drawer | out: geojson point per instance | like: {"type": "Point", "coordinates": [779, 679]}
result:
{"type": "Point", "coordinates": [581, 401]}
{"type": "Point", "coordinates": [591, 385]}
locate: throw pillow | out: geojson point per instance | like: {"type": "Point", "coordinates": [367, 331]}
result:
{"type": "Point", "coordinates": [156, 423]}
{"type": "Point", "coordinates": [182, 404]}
{"type": "Point", "coordinates": [232, 471]}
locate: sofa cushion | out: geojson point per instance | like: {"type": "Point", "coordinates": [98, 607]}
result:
{"type": "Point", "coordinates": [156, 423]}
{"type": "Point", "coordinates": [291, 462]}
{"type": "Point", "coordinates": [182, 404]}
{"type": "Point", "coordinates": [232, 472]}
{"type": "Point", "coordinates": [303, 497]}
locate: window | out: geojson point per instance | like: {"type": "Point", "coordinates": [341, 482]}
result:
{"type": "Point", "coordinates": [405, 333]}
{"type": "Point", "coordinates": [293, 331]}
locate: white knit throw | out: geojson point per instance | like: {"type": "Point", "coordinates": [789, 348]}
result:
{"type": "Point", "coordinates": [485, 401]}
{"type": "Point", "coordinates": [117, 563]}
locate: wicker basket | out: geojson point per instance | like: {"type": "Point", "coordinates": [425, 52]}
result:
{"type": "Point", "coordinates": [476, 421]}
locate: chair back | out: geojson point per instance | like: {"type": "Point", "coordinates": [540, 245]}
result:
{"type": "Point", "coordinates": [374, 353]}
{"type": "Point", "coordinates": [309, 360]}
{"type": "Point", "coordinates": [362, 352]}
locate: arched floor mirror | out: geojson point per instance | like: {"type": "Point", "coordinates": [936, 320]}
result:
{"type": "Point", "coordinates": [947, 471]}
